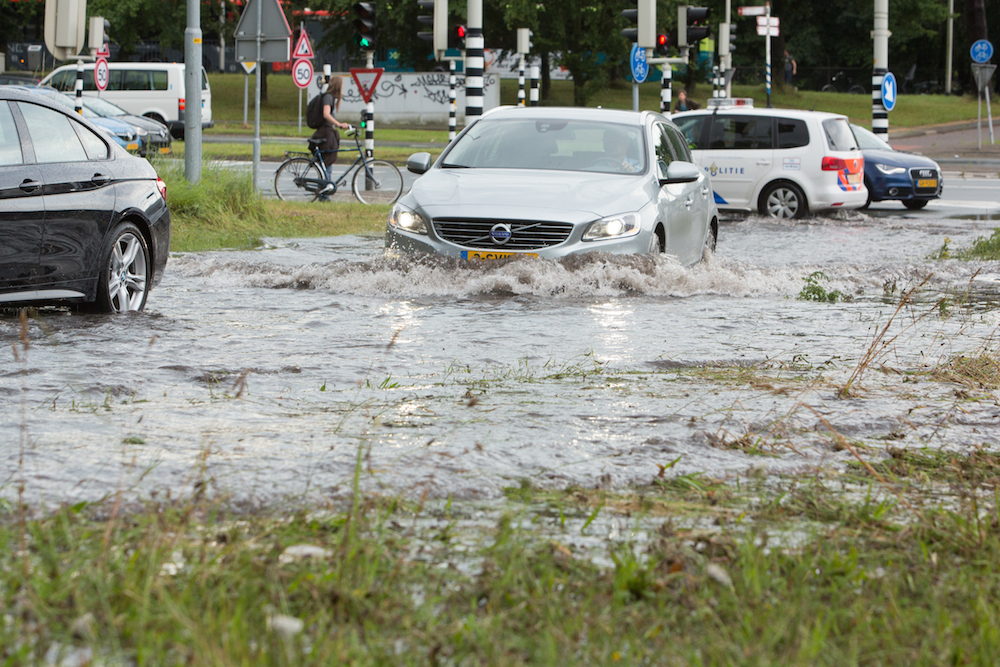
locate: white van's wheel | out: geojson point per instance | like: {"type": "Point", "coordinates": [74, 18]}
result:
{"type": "Point", "coordinates": [783, 200]}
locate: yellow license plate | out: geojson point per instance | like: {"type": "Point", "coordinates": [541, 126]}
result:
{"type": "Point", "coordinates": [492, 254]}
{"type": "Point", "coordinates": [854, 178]}
{"type": "Point", "coordinates": [927, 183]}
{"type": "Point", "coordinates": [132, 147]}
{"type": "Point", "coordinates": [165, 150]}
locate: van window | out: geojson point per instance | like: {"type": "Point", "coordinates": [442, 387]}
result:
{"type": "Point", "coordinates": [792, 133]}
{"type": "Point", "coordinates": [133, 79]}
{"type": "Point", "coordinates": [160, 80]}
{"type": "Point", "coordinates": [838, 133]}
{"type": "Point", "coordinates": [740, 133]}
{"type": "Point", "coordinates": [65, 80]}
{"type": "Point", "coordinates": [52, 135]}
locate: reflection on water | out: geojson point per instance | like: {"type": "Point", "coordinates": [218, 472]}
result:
{"type": "Point", "coordinates": [263, 372]}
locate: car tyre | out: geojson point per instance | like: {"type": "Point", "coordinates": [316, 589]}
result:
{"type": "Point", "coordinates": [868, 202]}
{"type": "Point", "coordinates": [915, 204]}
{"type": "Point", "coordinates": [123, 282]}
{"type": "Point", "coordinates": [655, 243]}
{"type": "Point", "coordinates": [783, 200]}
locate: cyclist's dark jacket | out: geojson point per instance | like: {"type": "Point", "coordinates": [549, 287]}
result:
{"type": "Point", "coordinates": [328, 133]}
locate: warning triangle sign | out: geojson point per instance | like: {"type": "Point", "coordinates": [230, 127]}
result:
{"type": "Point", "coordinates": [366, 79]}
{"type": "Point", "coordinates": [303, 48]}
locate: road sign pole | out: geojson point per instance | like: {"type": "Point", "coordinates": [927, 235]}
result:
{"type": "Point", "coordinates": [256, 96]}
{"type": "Point", "coordinates": [300, 111]}
{"type": "Point", "coordinates": [246, 95]}
{"type": "Point", "coordinates": [767, 52]}
{"type": "Point", "coordinates": [192, 93]}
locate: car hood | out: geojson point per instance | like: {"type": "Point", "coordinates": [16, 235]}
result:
{"type": "Point", "coordinates": [527, 194]}
{"type": "Point", "coordinates": [898, 159]}
{"type": "Point", "coordinates": [148, 124]}
{"type": "Point", "coordinates": [113, 124]}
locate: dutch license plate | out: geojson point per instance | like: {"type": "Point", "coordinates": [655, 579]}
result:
{"type": "Point", "coordinates": [132, 147]}
{"type": "Point", "coordinates": [854, 179]}
{"type": "Point", "coordinates": [165, 150]}
{"type": "Point", "coordinates": [470, 255]}
{"type": "Point", "coordinates": [927, 183]}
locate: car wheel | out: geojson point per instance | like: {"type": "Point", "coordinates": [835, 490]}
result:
{"type": "Point", "coordinates": [156, 117]}
{"type": "Point", "coordinates": [915, 204]}
{"type": "Point", "coordinates": [868, 186]}
{"type": "Point", "coordinates": [783, 200]}
{"type": "Point", "coordinates": [713, 236]}
{"type": "Point", "coordinates": [123, 282]}
{"type": "Point", "coordinates": [655, 244]}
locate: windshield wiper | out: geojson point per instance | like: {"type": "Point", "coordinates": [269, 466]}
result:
{"type": "Point", "coordinates": [448, 165]}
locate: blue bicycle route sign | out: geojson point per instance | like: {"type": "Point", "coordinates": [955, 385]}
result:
{"type": "Point", "coordinates": [982, 50]}
{"type": "Point", "coordinates": [637, 59]}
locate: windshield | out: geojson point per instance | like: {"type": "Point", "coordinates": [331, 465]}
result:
{"type": "Point", "coordinates": [839, 135]}
{"type": "Point", "coordinates": [550, 144]}
{"type": "Point", "coordinates": [103, 107]}
{"type": "Point", "coordinates": [867, 139]}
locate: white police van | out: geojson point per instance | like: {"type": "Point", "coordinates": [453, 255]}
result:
{"type": "Point", "coordinates": [155, 90]}
{"type": "Point", "coordinates": [782, 163]}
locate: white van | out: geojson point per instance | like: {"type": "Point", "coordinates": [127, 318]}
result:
{"type": "Point", "coordinates": [783, 163]}
{"type": "Point", "coordinates": [155, 90]}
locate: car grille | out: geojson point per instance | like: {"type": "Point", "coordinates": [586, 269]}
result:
{"type": "Point", "coordinates": [524, 234]}
{"type": "Point", "coordinates": [922, 174]}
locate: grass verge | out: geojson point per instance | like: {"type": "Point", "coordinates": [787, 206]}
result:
{"type": "Point", "coordinates": [895, 563]}
{"type": "Point", "coordinates": [223, 210]}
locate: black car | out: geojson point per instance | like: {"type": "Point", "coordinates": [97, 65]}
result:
{"type": "Point", "coordinates": [81, 220]}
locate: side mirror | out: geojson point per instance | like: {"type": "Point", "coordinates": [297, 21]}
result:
{"type": "Point", "coordinates": [419, 163]}
{"type": "Point", "coordinates": [681, 172]}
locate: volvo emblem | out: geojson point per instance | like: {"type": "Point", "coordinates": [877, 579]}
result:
{"type": "Point", "coordinates": [500, 233]}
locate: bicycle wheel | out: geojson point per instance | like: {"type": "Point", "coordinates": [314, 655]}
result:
{"type": "Point", "coordinates": [288, 181]}
{"type": "Point", "coordinates": [857, 90]}
{"type": "Point", "coordinates": [384, 187]}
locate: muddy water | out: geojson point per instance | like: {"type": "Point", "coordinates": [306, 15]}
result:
{"type": "Point", "coordinates": [281, 372]}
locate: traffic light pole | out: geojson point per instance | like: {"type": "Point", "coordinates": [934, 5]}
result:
{"type": "Point", "coordinates": [767, 51]}
{"type": "Point", "coordinates": [880, 118]}
{"type": "Point", "coordinates": [192, 93]}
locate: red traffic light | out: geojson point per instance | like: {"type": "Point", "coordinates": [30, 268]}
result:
{"type": "Point", "coordinates": [460, 32]}
{"type": "Point", "coordinates": [662, 44]}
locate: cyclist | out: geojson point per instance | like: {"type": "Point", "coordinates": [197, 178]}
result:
{"type": "Point", "coordinates": [332, 94]}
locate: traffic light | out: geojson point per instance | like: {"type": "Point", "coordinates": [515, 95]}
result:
{"type": "Point", "coordinates": [364, 25]}
{"type": "Point", "coordinates": [662, 44]}
{"type": "Point", "coordinates": [438, 20]}
{"type": "Point", "coordinates": [697, 24]}
{"type": "Point", "coordinates": [459, 37]}
{"type": "Point", "coordinates": [97, 36]}
{"type": "Point", "coordinates": [730, 35]}
{"type": "Point", "coordinates": [644, 18]}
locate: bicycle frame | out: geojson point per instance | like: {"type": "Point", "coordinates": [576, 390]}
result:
{"type": "Point", "coordinates": [316, 158]}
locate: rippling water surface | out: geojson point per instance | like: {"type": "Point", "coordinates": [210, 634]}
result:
{"type": "Point", "coordinates": [280, 372]}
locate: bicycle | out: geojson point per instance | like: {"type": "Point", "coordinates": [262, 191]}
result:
{"type": "Point", "coordinates": [840, 83]}
{"type": "Point", "coordinates": [302, 178]}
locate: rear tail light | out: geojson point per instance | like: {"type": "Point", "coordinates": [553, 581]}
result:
{"type": "Point", "coordinates": [853, 166]}
{"type": "Point", "coordinates": [180, 104]}
{"type": "Point", "coordinates": [162, 187]}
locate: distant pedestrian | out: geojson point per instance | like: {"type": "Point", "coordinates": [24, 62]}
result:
{"type": "Point", "coordinates": [332, 95]}
{"type": "Point", "coordinates": [791, 67]}
{"type": "Point", "coordinates": [684, 104]}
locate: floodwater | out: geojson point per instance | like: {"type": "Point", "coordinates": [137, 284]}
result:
{"type": "Point", "coordinates": [282, 372]}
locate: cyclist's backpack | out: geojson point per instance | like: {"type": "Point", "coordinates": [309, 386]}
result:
{"type": "Point", "coordinates": [314, 113]}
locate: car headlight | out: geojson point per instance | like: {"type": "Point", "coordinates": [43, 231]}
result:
{"type": "Point", "coordinates": [402, 217]}
{"type": "Point", "coordinates": [888, 169]}
{"type": "Point", "coordinates": [613, 227]}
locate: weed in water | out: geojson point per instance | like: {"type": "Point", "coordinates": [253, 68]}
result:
{"type": "Point", "coordinates": [813, 291]}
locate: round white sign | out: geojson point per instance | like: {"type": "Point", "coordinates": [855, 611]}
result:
{"type": "Point", "coordinates": [302, 72]}
{"type": "Point", "coordinates": [102, 73]}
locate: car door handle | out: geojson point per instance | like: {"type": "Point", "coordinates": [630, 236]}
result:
{"type": "Point", "coordinates": [763, 163]}
{"type": "Point", "coordinates": [689, 201]}
{"type": "Point", "coordinates": [704, 192]}
{"type": "Point", "coordinates": [29, 185]}
{"type": "Point", "coordinates": [100, 179]}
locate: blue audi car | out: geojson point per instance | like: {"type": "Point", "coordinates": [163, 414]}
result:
{"type": "Point", "coordinates": [891, 174]}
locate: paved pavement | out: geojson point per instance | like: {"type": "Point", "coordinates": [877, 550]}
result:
{"type": "Point", "coordinates": [955, 146]}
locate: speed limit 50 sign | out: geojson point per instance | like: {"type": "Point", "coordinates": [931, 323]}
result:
{"type": "Point", "coordinates": [302, 72]}
{"type": "Point", "coordinates": [102, 73]}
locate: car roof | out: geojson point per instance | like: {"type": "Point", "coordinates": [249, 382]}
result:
{"type": "Point", "coordinates": [757, 111]}
{"type": "Point", "coordinates": [30, 93]}
{"type": "Point", "coordinates": [569, 113]}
